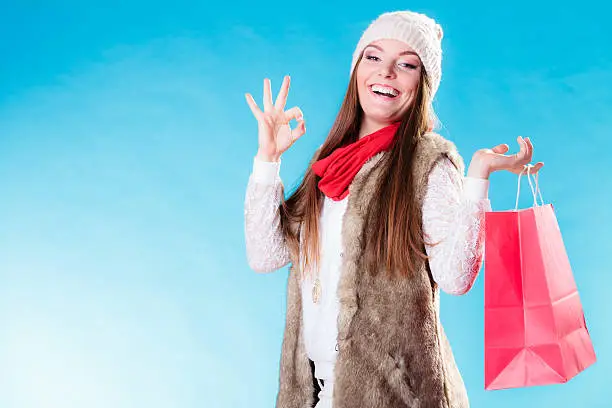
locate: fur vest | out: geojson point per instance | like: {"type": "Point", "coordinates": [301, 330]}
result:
{"type": "Point", "coordinates": [392, 348]}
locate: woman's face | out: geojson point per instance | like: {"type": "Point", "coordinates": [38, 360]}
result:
{"type": "Point", "coordinates": [387, 79]}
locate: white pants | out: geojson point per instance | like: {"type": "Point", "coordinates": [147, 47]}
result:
{"type": "Point", "coordinates": [326, 393]}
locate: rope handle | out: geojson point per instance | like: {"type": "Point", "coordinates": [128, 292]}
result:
{"type": "Point", "coordinates": [535, 191]}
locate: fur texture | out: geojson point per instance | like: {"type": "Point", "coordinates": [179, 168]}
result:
{"type": "Point", "coordinates": [392, 348]}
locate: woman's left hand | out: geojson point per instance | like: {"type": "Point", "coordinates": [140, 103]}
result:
{"type": "Point", "coordinates": [486, 161]}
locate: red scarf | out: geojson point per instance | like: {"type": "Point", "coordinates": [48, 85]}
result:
{"type": "Point", "coordinates": [339, 168]}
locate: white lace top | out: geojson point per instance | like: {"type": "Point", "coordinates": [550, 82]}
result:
{"type": "Point", "coordinates": [453, 214]}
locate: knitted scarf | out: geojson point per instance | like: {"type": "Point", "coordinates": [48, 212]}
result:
{"type": "Point", "coordinates": [339, 168]}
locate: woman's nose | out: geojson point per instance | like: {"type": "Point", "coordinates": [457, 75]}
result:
{"type": "Point", "coordinates": [386, 71]}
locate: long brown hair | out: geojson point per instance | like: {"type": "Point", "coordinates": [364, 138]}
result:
{"type": "Point", "coordinates": [394, 229]}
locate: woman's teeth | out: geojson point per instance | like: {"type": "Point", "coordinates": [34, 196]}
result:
{"type": "Point", "coordinates": [385, 91]}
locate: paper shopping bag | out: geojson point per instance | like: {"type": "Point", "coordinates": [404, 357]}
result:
{"type": "Point", "coordinates": [535, 331]}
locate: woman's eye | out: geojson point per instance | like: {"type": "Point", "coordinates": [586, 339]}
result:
{"type": "Point", "coordinates": [404, 65]}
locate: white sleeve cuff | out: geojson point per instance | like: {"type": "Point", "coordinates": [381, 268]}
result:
{"type": "Point", "coordinates": [266, 172]}
{"type": "Point", "coordinates": [475, 189]}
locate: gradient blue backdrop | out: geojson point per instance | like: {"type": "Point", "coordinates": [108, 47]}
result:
{"type": "Point", "coordinates": [125, 148]}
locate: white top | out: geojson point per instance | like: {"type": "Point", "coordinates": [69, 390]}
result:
{"type": "Point", "coordinates": [453, 214]}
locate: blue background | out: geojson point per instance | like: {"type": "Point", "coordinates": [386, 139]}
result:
{"type": "Point", "coordinates": [126, 145]}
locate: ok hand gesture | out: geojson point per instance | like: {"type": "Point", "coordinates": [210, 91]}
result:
{"type": "Point", "coordinates": [275, 133]}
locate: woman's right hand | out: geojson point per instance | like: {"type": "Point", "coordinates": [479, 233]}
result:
{"type": "Point", "coordinates": [275, 133]}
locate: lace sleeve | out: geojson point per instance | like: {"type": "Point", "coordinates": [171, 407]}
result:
{"type": "Point", "coordinates": [265, 243]}
{"type": "Point", "coordinates": [455, 221]}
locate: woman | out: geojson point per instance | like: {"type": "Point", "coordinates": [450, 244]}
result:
{"type": "Point", "coordinates": [382, 219]}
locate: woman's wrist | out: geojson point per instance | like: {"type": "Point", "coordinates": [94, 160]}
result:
{"type": "Point", "coordinates": [478, 169]}
{"type": "Point", "coordinates": [263, 156]}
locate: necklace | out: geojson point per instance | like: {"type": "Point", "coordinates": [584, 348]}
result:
{"type": "Point", "coordinates": [316, 290]}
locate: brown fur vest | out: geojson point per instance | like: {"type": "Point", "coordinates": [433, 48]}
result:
{"type": "Point", "coordinates": [392, 348]}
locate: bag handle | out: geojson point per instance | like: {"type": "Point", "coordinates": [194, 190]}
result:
{"type": "Point", "coordinates": [535, 191]}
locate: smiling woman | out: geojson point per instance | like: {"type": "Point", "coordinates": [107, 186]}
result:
{"type": "Point", "coordinates": [382, 220]}
{"type": "Point", "coordinates": [388, 77]}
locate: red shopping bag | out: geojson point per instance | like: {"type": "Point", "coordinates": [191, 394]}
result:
{"type": "Point", "coordinates": [535, 332]}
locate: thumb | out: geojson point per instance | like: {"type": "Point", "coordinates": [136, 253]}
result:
{"type": "Point", "coordinates": [501, 149]}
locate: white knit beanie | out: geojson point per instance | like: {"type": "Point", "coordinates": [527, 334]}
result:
{"type": "Point", "coordinates": [417, 30]}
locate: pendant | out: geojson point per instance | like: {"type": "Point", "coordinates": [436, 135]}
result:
{"type": "Point", "coordinates": [316, 291]}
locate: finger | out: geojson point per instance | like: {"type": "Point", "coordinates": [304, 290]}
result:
{"type": "Point", "coordinates": [501, 149]}
{"type": "Point", "coordinates": [267, 91]}
{"type": "Point", "coordinates": [536, 167]}
{"type": "Point", "coordinates": [529, 148]}
{"type": "Point", "coordinates": [281, 99]}
{"type": "Point", "coordinates": [299, 131]}
{"type": "Point", "coordinates": [293, 113]}
{"type": "Point", "coordinates": [253, 105]}
{"type": "Point", "coordinates": [522, 153]}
